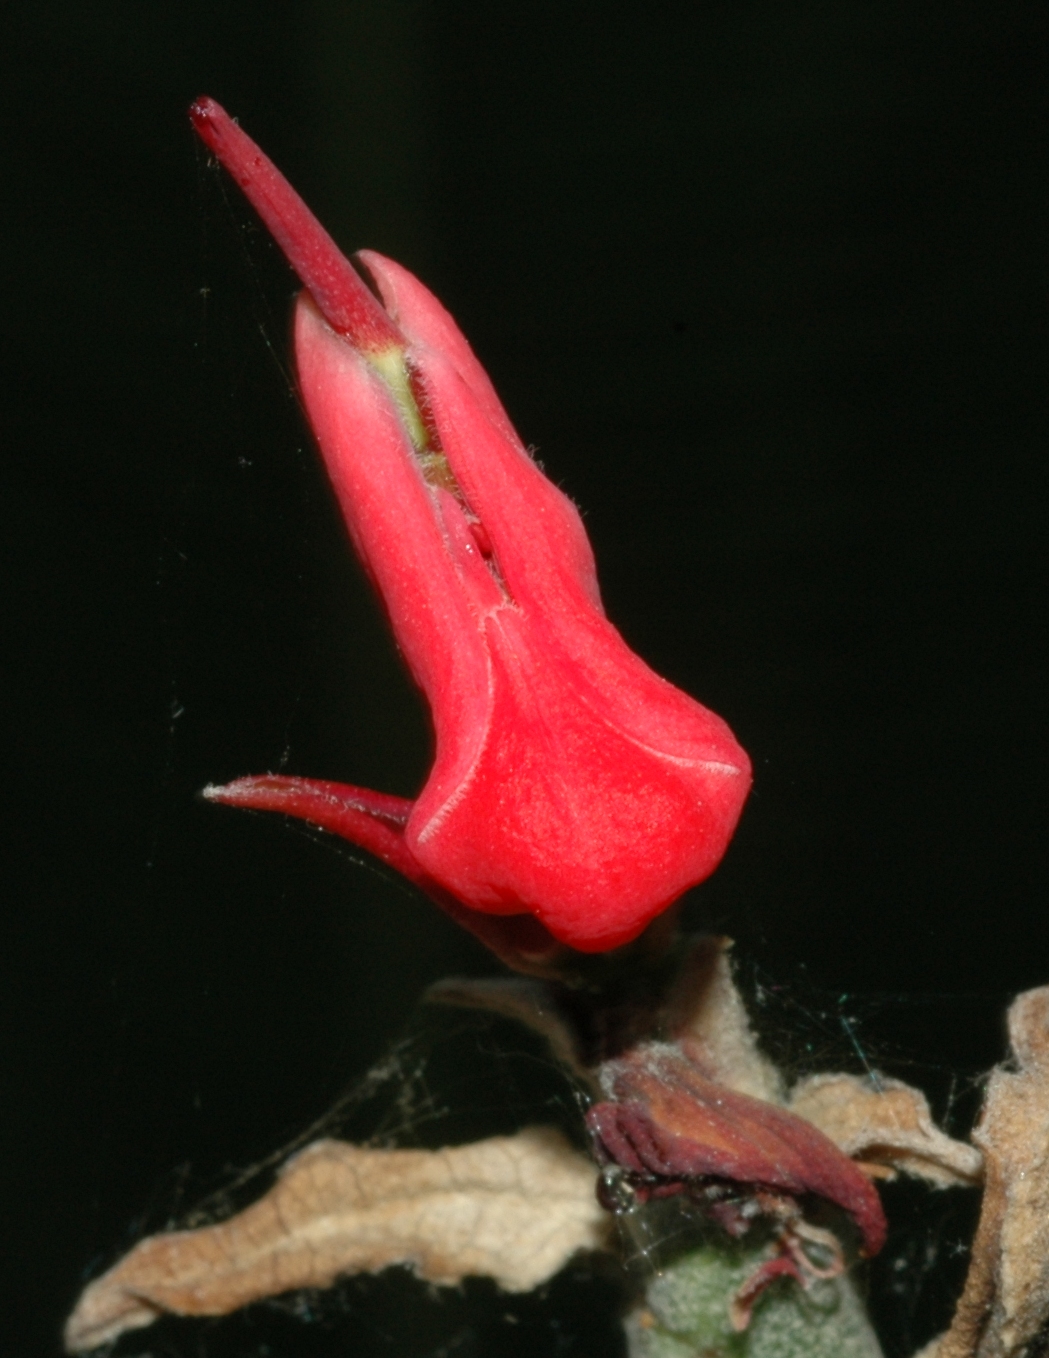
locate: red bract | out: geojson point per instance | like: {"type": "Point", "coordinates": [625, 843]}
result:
{"type": "Point", "coordinates": [569, 781]}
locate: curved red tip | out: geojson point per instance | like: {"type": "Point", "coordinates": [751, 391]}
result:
{"type": "Point", "coordinates": [340, 293]}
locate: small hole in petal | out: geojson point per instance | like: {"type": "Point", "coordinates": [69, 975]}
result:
{"type": "Point", "coordinates": [480, 536]}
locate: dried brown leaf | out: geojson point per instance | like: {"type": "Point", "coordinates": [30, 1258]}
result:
{"type": "Point", "coordinates": [887, 1124]}
{"type": "Point", "coordinates": [528, 1002]}
{"type": "Point", "coordinates": [704, 1006]}
{"type": "Point", "coordinates": [1005, 1302]}
{"type": "Point", "coordinates": [511, 1208]}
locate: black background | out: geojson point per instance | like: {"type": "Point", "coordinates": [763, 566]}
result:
{"type": "Point", "coordinates": [764, 283]}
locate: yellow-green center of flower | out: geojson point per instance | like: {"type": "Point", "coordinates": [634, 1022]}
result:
{"type": "Point", "coordinates": [390, 364]}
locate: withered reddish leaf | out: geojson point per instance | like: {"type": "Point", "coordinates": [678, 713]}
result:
{"type": "Point", "coordinates": [670, 1121]}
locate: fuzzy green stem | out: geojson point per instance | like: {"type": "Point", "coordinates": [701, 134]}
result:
{"type": "Point", "coordinates": [686, 1313]}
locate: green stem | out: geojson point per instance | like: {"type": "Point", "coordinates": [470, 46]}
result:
{"type": "Point", "coordinates": [685, 1313]}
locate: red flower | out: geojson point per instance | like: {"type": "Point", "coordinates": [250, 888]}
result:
{"type": "Point", "coordinates": [569, 782]}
